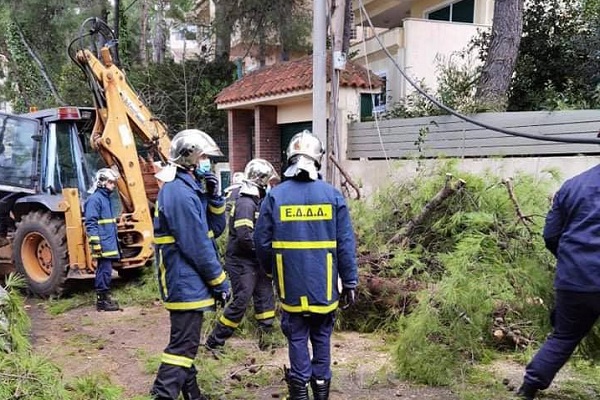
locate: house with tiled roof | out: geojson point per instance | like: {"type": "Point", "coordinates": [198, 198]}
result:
{"type": "Point", "coordinates": [267, 107]}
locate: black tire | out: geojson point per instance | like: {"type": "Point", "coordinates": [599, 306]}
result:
{"type": "Point", "coordinates": [40, 253]}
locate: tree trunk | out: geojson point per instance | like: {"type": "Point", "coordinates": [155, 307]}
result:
{"type": "Point", "coordinates": [159, 41]}
{"type": "Point", "coordinates": [40, 65]}
{"type": "Point", "coordinates": [502, 54]}
{"type": "Point", "coordinates": [222, 28]}
{"type": "Point", "coordinates": [143, 33]}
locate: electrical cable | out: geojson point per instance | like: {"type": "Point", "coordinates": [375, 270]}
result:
{"type": "Point", "coordinates": [449, 110]}
{"type": "Point", "coordinates": [375, 115]}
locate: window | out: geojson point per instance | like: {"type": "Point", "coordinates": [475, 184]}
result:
{"type": "Point", "coordinates": [17, 149]}
{"type": "Point", "coordinates": [380, 99]}
{"type": "Point", "coordinates": [461, 11]}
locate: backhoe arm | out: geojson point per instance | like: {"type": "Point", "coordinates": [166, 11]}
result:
{"type": "Point", "coordinates": [122, 117]}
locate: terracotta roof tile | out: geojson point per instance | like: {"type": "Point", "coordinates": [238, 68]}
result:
{"type": "Point", "coordinates": [289, 77]}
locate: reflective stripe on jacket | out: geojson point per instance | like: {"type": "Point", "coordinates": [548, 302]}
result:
{"type": "Point", "coordinates": [187, 263]}
{"type": "Point", "coordinates": [304, 235]}
{"type": "Point", "coordinates": [100, 223]}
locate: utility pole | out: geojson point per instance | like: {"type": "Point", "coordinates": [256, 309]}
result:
{"type": "Point", "coordinates": [338, 57]}
{"type": "Point", "coordinates": [319, 106]}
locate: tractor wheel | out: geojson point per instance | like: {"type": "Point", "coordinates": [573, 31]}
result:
{"type": "Point", "coordinates": [40, 253]}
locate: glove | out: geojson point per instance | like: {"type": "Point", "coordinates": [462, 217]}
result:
{"type": "Point", "coordinates": [348, 297]}
{"type": "Point", "coordinates": [211, 184]}
{"type": "Point", "coordinates": [222, 297]}
{"type": "Point", "coordinates": [96, 248]}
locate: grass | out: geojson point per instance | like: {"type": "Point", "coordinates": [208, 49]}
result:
{"type": "Point", "coordinates": [140, 291]}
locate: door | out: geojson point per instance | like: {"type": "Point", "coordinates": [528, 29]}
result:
{"type": "Point", "coordinates": [287, 132]}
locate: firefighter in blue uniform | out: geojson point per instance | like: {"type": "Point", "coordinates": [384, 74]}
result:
{"type": "Point", "coordinates": [571, 234]}
{"type": "Point", "coordinates": [305, 238]}
{"type": "Point", "coordinates": [232, 193]}
{"type": "Point", "coordinates": [248, 280]}
{"type": "Point", "coordinates": [101, 229]}
{"type": "Point", "coordinates": [191, 279]}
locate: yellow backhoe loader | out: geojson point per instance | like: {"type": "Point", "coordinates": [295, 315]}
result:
{"type": "Point", "coordinates": [47, 162]}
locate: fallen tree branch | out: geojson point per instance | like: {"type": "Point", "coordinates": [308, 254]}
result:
{"type": "Point", "coordinates": [253, 368]}
{"type": "Point", "coordinates": [391, 292]}
{"type": "Point", "coordinates": [524, 219]}
{"type": "Point", "coordinates": [401, 238]}
{"type": "Point", "coordinates": [20, 377]}
{"type": "Point", "coordinates": [349, 180]}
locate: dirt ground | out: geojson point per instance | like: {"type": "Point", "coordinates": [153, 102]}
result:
{"type": "Point", "coordinates": [126, 346]}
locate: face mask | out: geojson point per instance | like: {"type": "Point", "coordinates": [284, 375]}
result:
{"type": "Point", "coordinates": [203, 167]}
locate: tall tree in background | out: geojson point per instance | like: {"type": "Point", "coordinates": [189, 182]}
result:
{"type": "Point", "coordinates": [34, 36]}
{"type": "Point", "coordinates": [502, 53]}
{"type": "Point", "coordinates": [263, 24]}
{"type": "Point", "coordinates": [558, 65]}
{"type": "Point", "coordinates": [222, 26]}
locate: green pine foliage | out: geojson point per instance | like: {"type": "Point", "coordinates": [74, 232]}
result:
{"type": "Point", "coordinates": [475, 261]}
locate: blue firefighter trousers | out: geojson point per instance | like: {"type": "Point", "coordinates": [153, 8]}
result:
{"type": "Point", "coordinates": [103, 275]}
{"type": "Point", "coordinates": [298, 329]}
{"type": "Point", "coordinates": [573, 317]}
{"type": "Point", "coordinates": [177, 371]}
{"type": "Point", "coordinates": [248, 282]}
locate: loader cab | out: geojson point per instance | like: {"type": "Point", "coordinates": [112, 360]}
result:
{"type": "Point", "coordinates": [66, 159]}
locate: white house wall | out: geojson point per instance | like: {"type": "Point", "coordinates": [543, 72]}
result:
{"type": "Point", "coordinates": [294, 112]}
{"type": "Point", "coordinates": [427, 41]}
{"type": "Point", "coordinates": [374, 174]}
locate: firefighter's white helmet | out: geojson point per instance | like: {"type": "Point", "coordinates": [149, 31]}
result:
{"type": "Point", "coordinates": [189, 145]}
{"type": "Point", "coordinates": [259, 172]}
{"type": "Point", "coordinates": [306, 144]}
{"type": "Point", "coordinates": [105, 175]}
{"type": "Point", "coordinates": [237, 178]}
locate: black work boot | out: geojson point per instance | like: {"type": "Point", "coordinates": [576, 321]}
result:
{"type": "Point", "coordinates": [320, 388]}
{"type": "Point", "coordinates": [215, 348]}
{"type": "Point", "coordinates": [105, 303]}
{"type": "Point", "coordinates": [297, 389]}
{"type": "Point", "coordinates": [190, 389]}
{"type": "Point", "coordinates": [526, 392]}
{"type": "Point", "coordinates": [266, 339]}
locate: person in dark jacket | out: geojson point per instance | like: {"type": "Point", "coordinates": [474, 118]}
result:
{"type": "Point", "coordinates": [304, 237]}
{"type": "Point", "coordinates": [232, 192]}
{"type": "Point", "coordinates": [248, 280]}
{"type": "Point", "coordinates": [190, 277]}
{"type": "Point", "coordinates": [572, 235]}
{"type": "Point", "coordinates": [101, 229]}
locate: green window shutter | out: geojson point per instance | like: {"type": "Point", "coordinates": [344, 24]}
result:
{"type": "Point", "coordinates": [366, 106]}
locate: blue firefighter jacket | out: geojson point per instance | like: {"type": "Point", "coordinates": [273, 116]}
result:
{"type": "Point", "coordinates": [572, 233]}
{"type": "Point", "coordinates": [305, 237]}
{"type": "Point", "coordinates": [100, 223]}
{"type": "Point", "coordinates": [189, 272]}
{"type": "Point", "coordinates": [240, 244]}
